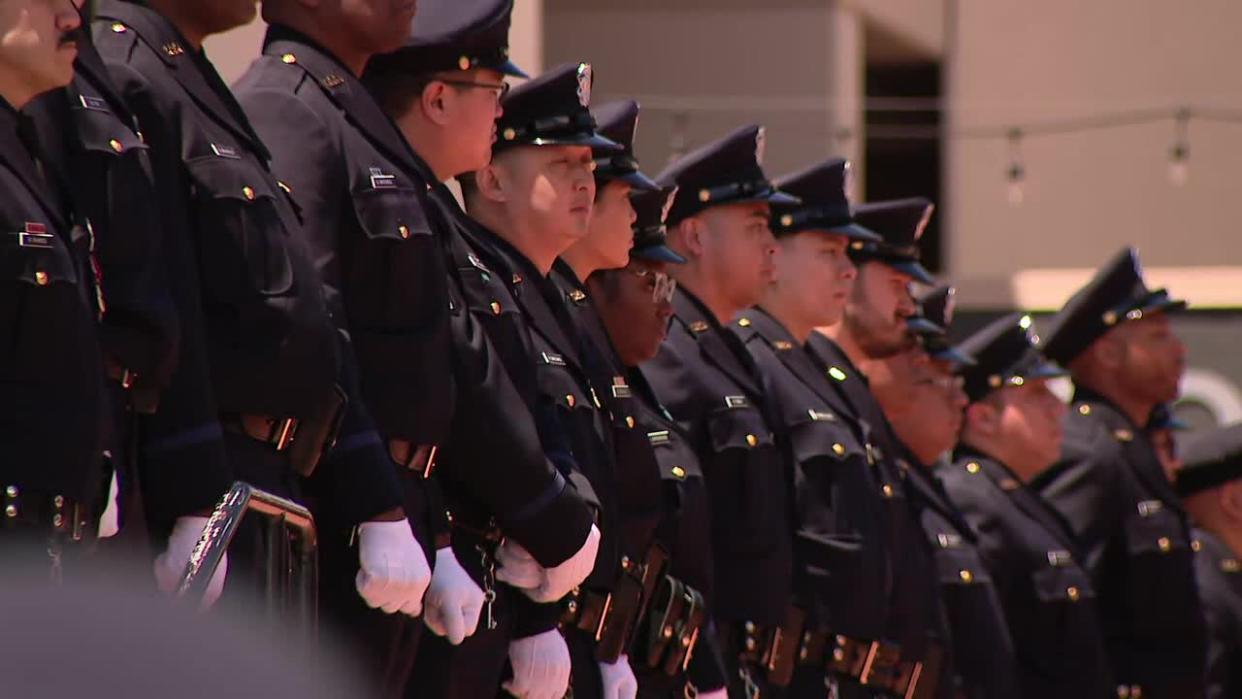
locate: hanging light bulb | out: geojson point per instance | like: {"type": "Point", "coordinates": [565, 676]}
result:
{"type": "Point", "coordinates": [1179, 153]}
{"type": "Point", "coordinates": [1015, 175]}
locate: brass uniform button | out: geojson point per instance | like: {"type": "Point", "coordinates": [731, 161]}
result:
{"type": "Point", "coordinates": [405, 232]}
{"type": "Point", "coordinates": [838, 449]}
{"type": "Point", "coordinates": [965, 575]}
{"type": "Point", "coordinates": [629, 421]}
{"type": "Point", "coordinates": [41, 278]}
{"type": "Point", "coordinates": [1072, 593]}
{"type": "Point", "coordinates": [752, 440]}
{"type": "Point", "coordinates": [11, 491]}
{"type": "Point", "coordinates": [743, 322]}
{"type": "Point", "coordinates": [10, 511]}
{"type": "Point", "coordinates": [116, 145]}
{"type": "Point", "coordinates": [972, 467]}
{"type": "Point", "coordinates": [1084, 409]}
{"type": "Point", "coordinates": [495, 308]}
{"type": "Point", "coordinates": [888, 490]}
{"type": "Point", "coordinates": [118, 27]}
{"type": "Point", "coordinates": [58, 501]}
{"type": "Point", "coordinates": [289, 58]}
{"type": "Point", "coordinates": [1196, 545]}
{"type": "Point", "coordinates": [248, 192]}
{"type": "Point", "coordinates": [569, 398]}
{"type": "Point", "coordinates": [678, 472]}
{"type": "Point", "coordinates": [1164, 544]}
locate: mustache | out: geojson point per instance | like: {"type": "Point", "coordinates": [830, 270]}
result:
{"type": "Point", "coordinates": [68, 38]}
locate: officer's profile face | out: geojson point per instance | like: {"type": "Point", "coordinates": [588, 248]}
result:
{"type": "Point", "coordinates": [812, 269]}
{"type": "Point", "coordinates": [36, 46]}
{"type": "Point", "coordinates": [735, 249]}
{"type": "Point", "coordinates": [466, 104]}
{"type": "Point", "coordinates": [922, 399]}
{"type": "Point", "coordinates": [877, 311]}
{"type": "Point", "coordinates": [633, 308]}
{"type": "Point", "coordinates": [377, 26]}
{"type": "Point", "coordinates": [1149, 358]}
{"type": "Point", "coordinates": [1028, 419]}
{"type": "Point", "coordinates": [549, 189]}
{"type": "Point", "coordinates": [611, 234]}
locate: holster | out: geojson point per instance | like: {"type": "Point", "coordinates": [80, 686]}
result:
{"type": "Point", "coordinates": [675, 616]}
{"type": "Point", "coordinates": [317, 432]}
{"type": "Point", "coordinates": [782, 655]}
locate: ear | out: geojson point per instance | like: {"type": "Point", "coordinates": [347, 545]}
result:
{"type": "Point", "coordinates": [982, 417]}
{"type": "Point", "coordinates": [433, 101]}
{"type": "Point", "coordinates": [1229, 497]}
{"type": "Point", "coordinates": [491, 183]}
{"type": "Point", "coordinates": [689, 233]}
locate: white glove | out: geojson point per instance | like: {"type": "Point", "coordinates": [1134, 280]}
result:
{"type": "Point", "coordinates": [721, 693]}
{"type": "Point", "coordinates": [454, 601]}
{"type": "Point", "coordinates": [519, 569]}
{"type": "Point", "coordinates": [170, 565]}
{"type": "Point", "coordinates": [618, 679]}
{"type": "Point", "coordinates": [515, 566]}
{"type": "Point", "coordinates": [540, 666]}
{"type": "Point", "coordinates": [393, 573]}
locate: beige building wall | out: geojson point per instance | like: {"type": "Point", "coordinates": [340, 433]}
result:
{"type": "Point", "coordinates": [1087, 194]}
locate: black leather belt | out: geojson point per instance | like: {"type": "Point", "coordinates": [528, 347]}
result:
{"type": "Point", "coordinates": [675, 617]}
{"type": "Point", "coordinates": [56, 513]}
{"type": "Point", "coordinates": [278, 432]}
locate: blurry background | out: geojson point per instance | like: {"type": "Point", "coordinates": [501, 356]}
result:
{"type": "Point", "coordinates": [1049, 134]}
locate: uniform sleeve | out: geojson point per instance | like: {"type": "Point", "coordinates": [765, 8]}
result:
{"type": "Point", "coordinates": [183, 466]}
{"type": "Point", "coordinates": [1085, 487]}
{"type": "Point", "coordinates": [495, 452]}
{"type": "Point", "coordinates": [1224, 633]}
{"type": "Point", "coordinates": [359, 474]}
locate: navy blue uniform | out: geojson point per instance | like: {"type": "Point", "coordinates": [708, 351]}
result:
{"type": "Point", "coordinates": [1136, 544]}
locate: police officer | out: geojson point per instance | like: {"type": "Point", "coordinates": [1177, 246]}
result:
{"type": "Point", "coordinates": [840, 518]}
{"type": "Point", "coordinates": [874, 327]}
{"type": "Point", "coordinates": [50, 362]}
{"type": "Point", "coordinates": [274, 355]}
{"type": "Point", "coordinates": [923, 399]}
{"type": "Point", "coordinates": [1012, 433]}
{"type": "Point", "coordinates": [703, 374]}
{"type": "Point", "coordinates": [1115, 338]}
{"type": "Point", "coordinates": [606, 246]}
{"type": "Point", "coordinates": [169, 474]}
{"type": "Point", "coordinates": [443, 89]}
{"type": "Point", "coordinates": [634, 305]}
{"type": "Point", "coordinates": [358, 186]}
{"type": "Point", "coordinates": [532, 202]}
{"type": "Point", "coordinates": [1210, 483]}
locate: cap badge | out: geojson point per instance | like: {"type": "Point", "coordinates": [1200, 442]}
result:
{"type": "Point", "coordinates": [950, 304]}
{"type": "Point", "coordinates": [760, 144]}
{"type": "Point", "coordinates": [668, 204]}
{"type": "Point", "coordinates": [584, 84]}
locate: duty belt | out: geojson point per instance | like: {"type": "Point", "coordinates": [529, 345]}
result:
{"type": "Point", "coordinates": [305, 440]}
{"type": "Point", "coordinates": [58, 514]}
{"type": "Point", "coordinates": [675, 617]}
{"type": "Point", "coordinates": [876, 664]}
{"type": "Point", "coordinates": [612, 617]}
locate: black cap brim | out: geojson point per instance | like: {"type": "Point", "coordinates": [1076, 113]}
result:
{"type": "Point", "coordinates": [1043, 369]}
{"type": "Point", "coordinates": [954, 356]}
{"type": "Point", "coordinates": [510, 68]}
{"type": "Point", "coordinates": [778, 198]}
{"type": "Point", "coordinates": [593, 141]}
{"type": "Point", "coordinates": [911, 267]}
{"type": "Point", "coordinates": [922, 326]}
{"type": "Point", "coordinates": [637, 180]}
{"type": "Point", "coordinates": [658, 253]}
{"type": "Point", "coordinates": [854, 231]}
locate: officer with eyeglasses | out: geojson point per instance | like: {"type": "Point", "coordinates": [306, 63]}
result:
{"type": "Point", "coordinates": [921, 393]}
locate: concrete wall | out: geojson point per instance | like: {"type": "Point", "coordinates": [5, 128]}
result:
{"type": "Point", "coordinates": [1087, 194]}
{"type": "Point", "coordinates": [703, 67]}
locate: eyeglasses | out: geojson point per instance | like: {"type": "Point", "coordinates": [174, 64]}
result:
{"type": "Point", "coordinates": [661, 285]}
{"type": "Point", "coordinates": [498, 90]}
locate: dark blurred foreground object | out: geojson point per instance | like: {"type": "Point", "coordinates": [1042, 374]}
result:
{"type": "Point", "coordinates": [98, 637]}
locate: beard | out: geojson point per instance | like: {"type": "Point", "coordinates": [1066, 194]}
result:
{"type": "Point", "coordinates": [877, 337]}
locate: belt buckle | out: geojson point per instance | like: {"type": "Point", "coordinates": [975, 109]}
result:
{"type": "Point", "coordinates": [285, 430]}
